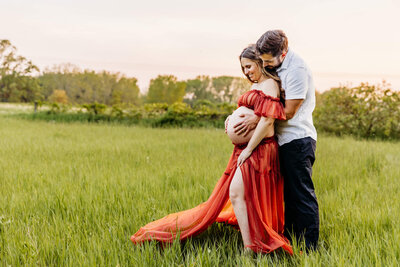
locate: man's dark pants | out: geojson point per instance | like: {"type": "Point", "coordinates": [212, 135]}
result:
{"type": "Point", "coordinates": [301, 206]}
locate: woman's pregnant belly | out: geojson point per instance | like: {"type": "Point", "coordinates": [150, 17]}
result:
{"type": "Point", "coordinates": [235, 119]}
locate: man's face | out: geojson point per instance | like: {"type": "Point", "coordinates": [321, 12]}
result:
{"type": "Point", "coordinates": [271, 62]}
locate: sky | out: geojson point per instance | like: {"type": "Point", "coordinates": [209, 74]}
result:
{"type": "Point", "coordinates": [342, 41]}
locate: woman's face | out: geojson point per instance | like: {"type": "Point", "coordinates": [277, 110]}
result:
{"type": "Point", "coordinates": [251, 69]}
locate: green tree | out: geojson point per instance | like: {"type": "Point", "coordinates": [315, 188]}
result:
{"type": "Point", "coordinates": [125, 91]}
{"type": "Point", "coordinates": [89, 86]}
{"type": "Point", "coordinates": [166, 89]}
{"type": "Point", "coordinates": [61, 77]}
{"type": "Point", "coordinates": [239, 86]}
{"type": "Point", "coordinates": [16, 82]}
{"type": "Point", "coordinates": [222, 86]}
{"type": "Point", "coordinates": [199, 89]}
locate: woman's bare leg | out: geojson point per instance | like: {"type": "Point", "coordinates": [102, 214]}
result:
{"type": "Point", "coordinates": [236, 194]}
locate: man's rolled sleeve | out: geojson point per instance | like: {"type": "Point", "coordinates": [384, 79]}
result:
{"type": "Point", "coordinates": [297, 84]}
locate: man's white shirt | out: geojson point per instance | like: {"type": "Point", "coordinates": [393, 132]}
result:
{"type": "Point", "coordinates": [298, 83]}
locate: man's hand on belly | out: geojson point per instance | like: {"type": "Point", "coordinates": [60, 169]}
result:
{"type": "Point", "coordinates": [249, 123]}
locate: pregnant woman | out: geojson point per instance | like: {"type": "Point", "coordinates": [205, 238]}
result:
{"type": "Point", "coordinates": [250, 192]}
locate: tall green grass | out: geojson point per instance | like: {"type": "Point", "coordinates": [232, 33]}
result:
{"type": "Point", "coordinates": [73, 194]}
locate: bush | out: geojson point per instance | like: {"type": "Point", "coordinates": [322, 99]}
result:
{"type": "Point", "coordinates": [59, 96]}
{"type": "Point", "coordinates": [155, 109]}
{"type": "Point", "coordinates": [56, 108]}
{"type": "Point", "coordinates": [95, 108]}
{"type": "Point", "coordinates": [155, 115]}
{"type": "Point", "coordinates": [180, 109]}
{"type": "Point", "coordinates": [368, 111]}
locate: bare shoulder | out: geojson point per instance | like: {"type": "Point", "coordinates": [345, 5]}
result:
{"type": "Point", "coordinates": [270, 87]}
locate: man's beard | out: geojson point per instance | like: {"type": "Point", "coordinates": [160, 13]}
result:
{"type": "Point", "coordinates": [267, 68]}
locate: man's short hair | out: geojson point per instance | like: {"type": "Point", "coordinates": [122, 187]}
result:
{"type": "Point", "coordinates": [272, 42]}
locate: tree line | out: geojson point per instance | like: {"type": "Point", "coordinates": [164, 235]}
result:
{"type": "Point", "coordinates": [22, 81]}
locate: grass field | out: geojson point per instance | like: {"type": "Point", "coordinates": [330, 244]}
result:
{"type": "Point", "coordinates": [73, 194]}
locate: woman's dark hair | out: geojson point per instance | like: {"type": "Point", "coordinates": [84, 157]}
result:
{"type": "Point", "coordinates": [272, 42]}
{"type": "Point", "coordinates": [250, 53]}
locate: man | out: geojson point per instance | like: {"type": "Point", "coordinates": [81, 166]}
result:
{"type": "Point", "coordinates": [296, 136]}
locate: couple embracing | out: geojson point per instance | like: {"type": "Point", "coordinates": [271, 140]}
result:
{"type": "Point", "coordinates": [266, 189]}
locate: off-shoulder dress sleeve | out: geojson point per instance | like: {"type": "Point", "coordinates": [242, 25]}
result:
{"type": "Point", "coordinates": [268, 106]}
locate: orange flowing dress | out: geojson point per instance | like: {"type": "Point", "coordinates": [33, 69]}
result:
{"type": "Point", "coordinates": [263, 186]}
